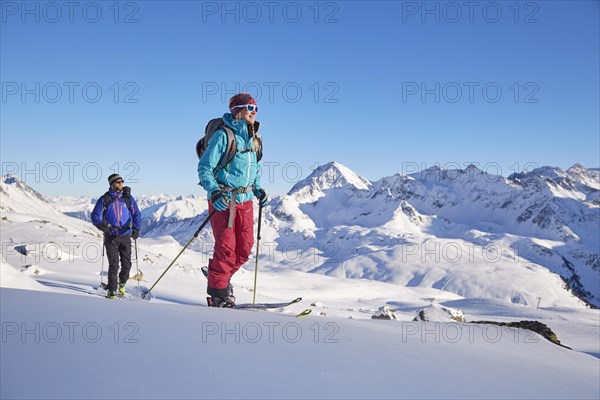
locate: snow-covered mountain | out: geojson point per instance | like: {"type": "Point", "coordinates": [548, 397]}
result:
{"type": "Point", "coordinates": [325, 178]}
{"type": "Point", "coordinates": [24, 208]}
{"type": "Point", "coordinates": [519, 238]}
{"type": "Point", "coordinates": [452, 228]}
{"type": "Point", "coordinates": [18, 196]}
{"type": "Point", "coordinates": [52, 263]}
{"type": "Point", "coordinates": [82, 206]}
{"type": "Point", "coordinates": [162, 215]}
{"type": "Point", "coordinates": [74, 206]}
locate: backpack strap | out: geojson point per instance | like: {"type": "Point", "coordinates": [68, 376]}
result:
{"type": "Point", "coordinates": [106, 200]}
{"type": "Point", "coordinates": [127, 197]}
{"type": "Point", "coordinates": [230, 150]}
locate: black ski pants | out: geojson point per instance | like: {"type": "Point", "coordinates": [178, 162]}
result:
{"type": "Point", "coordinates": [118, 247]}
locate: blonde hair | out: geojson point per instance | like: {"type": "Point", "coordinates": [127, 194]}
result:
{"type": "Point", "coordinates": [255, 135]}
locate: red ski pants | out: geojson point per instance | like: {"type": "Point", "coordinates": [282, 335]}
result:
{"type": "Point", "coordinates": [232, 245]}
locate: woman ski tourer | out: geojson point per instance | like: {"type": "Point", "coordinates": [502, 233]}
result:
{"type": "Point", "coordinates": [231, 186]}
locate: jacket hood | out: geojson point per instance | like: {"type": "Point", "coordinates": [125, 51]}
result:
{"type": "Point", "coordinates": [238, 126]}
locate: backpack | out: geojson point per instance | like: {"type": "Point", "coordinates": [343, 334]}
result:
{"type": "Point", "coordinates": [108, 199]}
{"type": "Point", "coordinates": [213, 126]}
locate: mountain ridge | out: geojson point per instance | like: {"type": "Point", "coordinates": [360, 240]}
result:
{"type": "Point", "coordinates": [343, 224]}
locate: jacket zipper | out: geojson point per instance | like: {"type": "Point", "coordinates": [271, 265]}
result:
{"type": "Point", "coordinates": [119, 212]}
{"type": "Point", "coordinates": [248, 171]}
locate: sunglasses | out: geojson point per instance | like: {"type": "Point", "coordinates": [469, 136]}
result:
{"type": "Point", "coordinates": [121, 182]}
{"type": "Point", "coordinates": [249, 107]}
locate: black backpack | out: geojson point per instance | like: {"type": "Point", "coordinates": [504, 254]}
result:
{"type": "Point", "coordinates": [108, 199]}
{"type": "Point", "coordinates": [213, 126]}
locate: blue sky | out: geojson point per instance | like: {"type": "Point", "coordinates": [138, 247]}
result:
{"type": "Point", "coordinates": [382, 87]}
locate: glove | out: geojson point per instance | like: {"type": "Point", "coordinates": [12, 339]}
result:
{"type": "Point", "coordinates": [220, 200]}
{"type": "Point", "coordinates": [262, 197]}
{"type": "Point", "coordinates": [135, 234]}
{"type": "Point", "coordinates": [104, 228]}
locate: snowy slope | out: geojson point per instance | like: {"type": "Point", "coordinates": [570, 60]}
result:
{"type": "Point", "coordinates": [151, 350]}
{"type": "Point", "coordinates": [57, 330]}
{"type": "Point", "coordinates": [475, 234]}
{"type": "Point", "coordinates": [16, 195]}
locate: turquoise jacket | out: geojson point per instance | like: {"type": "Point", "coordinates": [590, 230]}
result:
{"type": "Point", "coordinates": [242, 171]}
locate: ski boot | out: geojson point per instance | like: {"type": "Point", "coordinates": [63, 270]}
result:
{"type": "Point", "coordinates": [205, 273]}
{"type": "Point", "coordinates": [111, 295]}
{"type": "Point", "coordinates": [222, 302]}
{"type": "Point", "coordinates": [121, 291]}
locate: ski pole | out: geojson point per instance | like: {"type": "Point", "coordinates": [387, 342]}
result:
{"type": "Point", "coordinates": [102, 272]}
{"type": "Point", "coordinates": [145, 294]}
{"type": "Point", "coordinates": [260, 207]}
{"type": "Point", "coordinates": [137, 267]}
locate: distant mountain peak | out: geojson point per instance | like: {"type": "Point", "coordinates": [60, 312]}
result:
{"type": "Point", "coordinates": [17, 183]}
{"type": "Point", "coordinates": [577, 172]}
{"type": "Point", "coordinates": [10, 179]}
{"type": "Point", "coordinates": [576, 167]}
{"type": "Point", "coordinates": [470, 174]}
{"type": "Point", "coordinates": [544, 172]}
{"type": "Point", "coordinates": [329, 176]}
{"type": "Point", "coordinates": [20, 197]}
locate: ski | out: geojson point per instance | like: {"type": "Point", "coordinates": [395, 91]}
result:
{"type": "Point", "coordinates": [259, 306]}
{"type": "Point", "coordinates": [304, 313]}
{"type": "Point", "coordinates": [102, 291]}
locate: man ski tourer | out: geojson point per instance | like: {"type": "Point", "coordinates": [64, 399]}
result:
{"type": "Point", "coordinates": [231, 188]}
{"type": "Point", "coordinates": [117, 215]}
